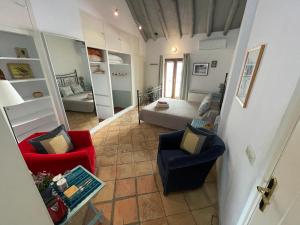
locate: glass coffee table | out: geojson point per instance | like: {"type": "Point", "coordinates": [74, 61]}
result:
{"type": "Point", "coordinates": [89, 185]}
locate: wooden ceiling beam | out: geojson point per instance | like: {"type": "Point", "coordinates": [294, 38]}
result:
{"type": "Point", "coordinates": [178, 18]}
{"type": "Point", "coordinates": [193, 16]}
{"type": "Point", "coordinates": [147, 19]}
{"type": "Point", "coordinates": [161, 17]}
{"type": "Point", "coordinates": [210, 16]}
{"type": "Point", "coordinates": [230, 16]}
{"type": "Point", "coordinates": [142, 32]}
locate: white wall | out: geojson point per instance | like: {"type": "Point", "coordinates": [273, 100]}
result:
{"type": "Point", "coordinates": [191, 45]}
{"type": "Point", "coordinates": [20, 202]}
{"type": "Point", "coordinates": [13, 15]}
{"type": "Point", "coordinates": [68, 55]}
{"type": "Point", "coordinates": [275, 25]}
{"type": "Point", "coordinates": [103, 9]}
{"type": "Point", "coordinates": [58, 17]}
{"type": "Point", "coordinates": [121, 83]}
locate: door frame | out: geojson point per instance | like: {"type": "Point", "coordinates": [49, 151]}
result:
{"type": "Point", "coordinates": [174, 73]}
{"type": "Point", "coordinates": [286, 128]}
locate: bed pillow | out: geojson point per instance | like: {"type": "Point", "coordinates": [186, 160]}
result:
{"type": "Point", "coordinates": [211, 115]}
{"type": "Point", "coordinates": [205, 105]}
{"type": "Point", "coordinates": [77, 89]}
{"type": "Point", "coordinates": [193, 140]}
{"type": "Point", "coordinates": [66, 91]}
{"type": "Point", "coordinates": [56, 141]}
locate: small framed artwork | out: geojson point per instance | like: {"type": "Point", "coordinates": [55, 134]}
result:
{"type": "Point", "coordinates": [200, 69]}
{"type": "Point", "coordinates": [20, 70]}
{"type": "Point", "coordinates": [251, 65]}
{"type": "Point", "coordinates": [214, 64]}
{"type": "Point", "coordinates": [22, 53]}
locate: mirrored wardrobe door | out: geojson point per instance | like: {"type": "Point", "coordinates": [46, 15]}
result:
{"type": "Point", "coordinates": [72, 73]}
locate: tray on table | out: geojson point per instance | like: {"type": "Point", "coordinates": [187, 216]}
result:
{"type": "Point", "coordinates": [80, 177]}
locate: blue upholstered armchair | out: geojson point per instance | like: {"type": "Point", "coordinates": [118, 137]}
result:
{"type": "Point", "coordinates": [180, 170]}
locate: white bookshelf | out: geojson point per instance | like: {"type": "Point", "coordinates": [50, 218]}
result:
{"type": "Point", "coordinates": [32, 117]}
{"type": "Point", "coordinates": [35, 114]}
{"type": "Point", "coordinates": [35, 99]}
{"type": "Point", "coordinates": [27, 80]}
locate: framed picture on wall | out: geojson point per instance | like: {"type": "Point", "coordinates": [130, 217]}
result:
{"type": "Point", "coordinates": [250, 68]}
{"type": "Point", "coordinates": [200, 69]}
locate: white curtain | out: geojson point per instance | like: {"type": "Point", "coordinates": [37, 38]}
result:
{"type": "Point", "coordinates": [160, 70]}
{"type": "Point", "coordinates": [185, 82]}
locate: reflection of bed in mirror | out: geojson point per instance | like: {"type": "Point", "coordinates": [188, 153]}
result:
{"type": "Point", "coordinates": [79, 100]}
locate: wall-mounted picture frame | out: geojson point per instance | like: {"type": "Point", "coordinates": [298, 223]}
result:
{"type": "Point", "coordinates": [214, 64]}
{"type": "Point", "coordinates": [20, 70]}
{"type": "Point", "coordinates": [248, 75]}
{"type": "Point", "coordinates": [200, 69]}
{"type": "Point", "coordinates": [21, 52]}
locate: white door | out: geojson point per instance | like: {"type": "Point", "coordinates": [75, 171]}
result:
{"type": "Point", "coordinates": [284, 207]}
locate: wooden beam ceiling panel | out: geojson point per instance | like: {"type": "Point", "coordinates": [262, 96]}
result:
{"type": "Point", "coordinates": [193, 16]}
{"type": "Point", "coordinates": [135, 18]}
{"type": "Point", "coordinates": [147, 20]}
{"type": "Point", "coordinates": [161, 17]}
{"type": "Point", "coordinates": [178, 17]}
{"type": "Point", "coordinates": [231, 14]}
{"type": "Point", "coordinates": [210, 16]}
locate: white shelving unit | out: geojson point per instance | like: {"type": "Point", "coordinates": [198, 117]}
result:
{"type": "Point", "coordinates": [102, 87]}
{"type": "Point", "coordinates": [121, 81]}
{"type": "Point", "coordinates": [19, 59]}
{"type": "Point", "coordinates": [35, 114]}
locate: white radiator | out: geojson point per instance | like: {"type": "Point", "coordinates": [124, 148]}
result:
{"type": "Point", "coordinates": [196, 95]}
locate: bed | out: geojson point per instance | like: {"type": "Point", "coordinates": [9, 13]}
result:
{"type": "Point", "coordinates": [77, 102]}
{"type": "Point", "coordinates": [179, 113]}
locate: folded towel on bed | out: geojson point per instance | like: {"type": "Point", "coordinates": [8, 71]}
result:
{"type": "Point", "coordinates": [89, 96]}
{"type": "Point", "coordinates": [162, 105]}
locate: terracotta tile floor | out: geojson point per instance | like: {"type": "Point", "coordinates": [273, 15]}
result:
{"type": "Point", "coordinates": [126, 161]}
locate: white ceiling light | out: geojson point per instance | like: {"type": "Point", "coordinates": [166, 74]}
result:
{"type": "Point", "coordinates": [116, 12]}
{"type": "Point", "coordinates": [174, 49]}
{"type": "Point", "coordinates": [140, 27]}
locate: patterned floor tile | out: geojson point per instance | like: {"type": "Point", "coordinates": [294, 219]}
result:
{"type": "Point", "coordinates": [146, 184]}
{"type": "Point", "coordinates": [125, 187]}
{"type": "Point", "coordinates": [126, 211]}
{"type": "Point", "coordinates": [143, 168]}
{"type": "Point", "coordinates": [150, 207]}
{"type": "Point", "coordinates": [181, 219]}
{"type": "Point", "coordinates": [205, 216]}
{"type": "Point", "coordinates": [125, 171]}
{"type": "Point", "coordinates": [174, 203]}
{"type": "Point", "coordinates": [107, 173]}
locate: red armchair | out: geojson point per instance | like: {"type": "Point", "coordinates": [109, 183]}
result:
{"type": "Point", "coordinates": [82, 154]}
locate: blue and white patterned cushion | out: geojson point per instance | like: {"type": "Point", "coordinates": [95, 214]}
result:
{"type": "Point", "coordinates": [205, 105]}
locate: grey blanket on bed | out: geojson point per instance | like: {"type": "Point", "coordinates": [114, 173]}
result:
{"type": "Point", "coordinates": [79, 103]}
{"type": "Point", "coordinates": [176, 117]}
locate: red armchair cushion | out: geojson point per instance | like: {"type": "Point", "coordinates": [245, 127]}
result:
{"type": "Point", "coordinates": [82, 154]}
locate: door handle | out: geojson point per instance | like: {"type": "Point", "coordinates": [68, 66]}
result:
{"type": "Point", "coordinates": [266, 193]}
